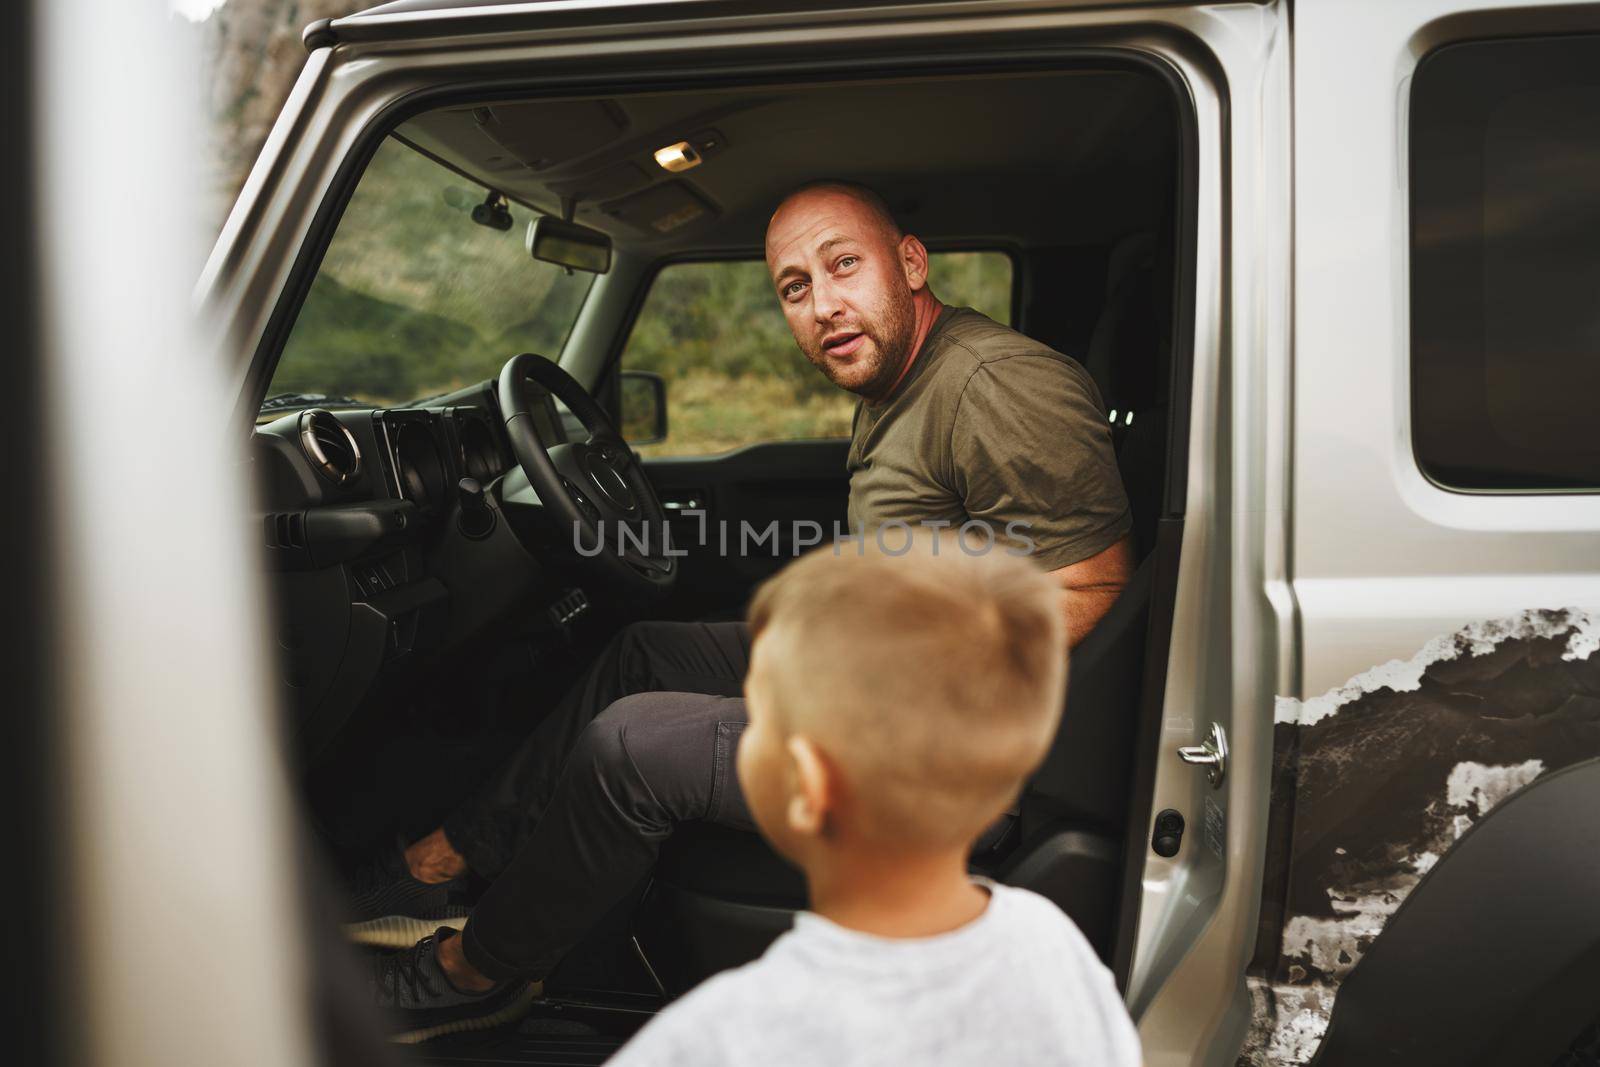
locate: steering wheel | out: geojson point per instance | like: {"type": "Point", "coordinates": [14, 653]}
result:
{"type": "Point", "coordinates": [595, 488]}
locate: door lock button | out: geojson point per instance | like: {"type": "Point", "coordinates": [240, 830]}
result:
{"type": "Point", "coordinates": [1168, 836]}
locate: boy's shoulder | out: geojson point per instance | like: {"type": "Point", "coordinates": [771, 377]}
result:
{"type": "Point", "coordinates": [1019, 905]}
{"type": "Point", "coordinates": [1025, 915]}
{"type": "Point", "coordinates": [825, 994]}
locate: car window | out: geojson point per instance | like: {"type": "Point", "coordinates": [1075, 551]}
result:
{"type": "Point", "coordinates": [1505, 316]}
{"type": "Point", "coordinates": [734, 375]}
{"type": "Point", "coordinates": [414, 298]}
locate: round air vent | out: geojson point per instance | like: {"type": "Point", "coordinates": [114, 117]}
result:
{"type": "Point", "coordinates": [480, 452]}
{"type": "Point", "coordinates": [419, 465]}
{"type": "Point", "coordinates": [329, 446]}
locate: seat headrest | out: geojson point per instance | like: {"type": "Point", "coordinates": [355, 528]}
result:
{"type": "Point", "coordinates": [1130, 351]}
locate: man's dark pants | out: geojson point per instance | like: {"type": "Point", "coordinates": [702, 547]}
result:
{"type": "Point", "coordinates": [575, 818]}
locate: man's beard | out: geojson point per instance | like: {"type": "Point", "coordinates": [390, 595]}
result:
{"type": "Point", "coordinates": [891, 339]}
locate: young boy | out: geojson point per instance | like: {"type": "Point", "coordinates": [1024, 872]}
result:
{"type": "Point", "coordinates": [896, 706]}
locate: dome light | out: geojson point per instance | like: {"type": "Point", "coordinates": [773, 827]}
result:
{"type": "Point", "coordinates": [678, 157]}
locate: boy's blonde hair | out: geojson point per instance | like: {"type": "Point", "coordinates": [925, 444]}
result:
{"type": "Point", "coordinates": [934, 679]}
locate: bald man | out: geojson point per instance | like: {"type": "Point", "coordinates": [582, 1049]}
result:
{"type": "Point", "coordinates": [961, 421]}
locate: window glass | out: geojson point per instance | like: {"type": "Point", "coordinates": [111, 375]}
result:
{"type": "Point", "coordinates": [414, 298]}
{"type": "Point", "coordinates": [734, 375]}
{"type": "Point", "coordinates": [1505, 240]}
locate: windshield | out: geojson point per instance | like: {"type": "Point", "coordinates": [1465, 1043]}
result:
{"type": "Point", "coordinates": [414, 298]}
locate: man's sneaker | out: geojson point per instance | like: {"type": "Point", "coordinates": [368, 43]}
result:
{"type": "Point", "coordinates": [400, 931]}
{"type": "Point", "coordinates": [411, 988]}
{"type": "Point", "coordinates": [391, 909]}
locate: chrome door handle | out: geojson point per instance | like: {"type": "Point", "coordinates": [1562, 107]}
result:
{"type": "Point", "coordinates": [1212, 754]}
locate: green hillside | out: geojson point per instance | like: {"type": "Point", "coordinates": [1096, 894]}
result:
{"type": "Point", "coordinates": [414, 298]}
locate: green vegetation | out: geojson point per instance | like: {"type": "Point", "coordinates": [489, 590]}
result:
{"type": "Point", "coordinates": [708, 412]}
{"type": "Point", "coordinates": [413, 299]}
{"type": "Point", "coordinates": [734, 375]}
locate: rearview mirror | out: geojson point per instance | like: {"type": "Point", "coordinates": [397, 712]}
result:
{"type": "Point", "coordinates": [567, 244]}
{"type": "Point", "coordinates": [644, 407]}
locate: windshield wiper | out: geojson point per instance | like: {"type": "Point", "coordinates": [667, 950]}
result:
{"type": "Point", "coordinates": [282, 401]}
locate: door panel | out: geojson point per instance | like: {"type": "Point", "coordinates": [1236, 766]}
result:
{"type": "Point", "coordinates": [1445, 635]}
{"type": "Point", "coordinates": [739, 516]}
{"type": "Point", "coordinates": [1231, 648]}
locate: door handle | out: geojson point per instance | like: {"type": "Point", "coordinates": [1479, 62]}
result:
{"type": "Point", "coordinates": [680, 503]}
{"type": "Point", "coordinates": [1212, 754]}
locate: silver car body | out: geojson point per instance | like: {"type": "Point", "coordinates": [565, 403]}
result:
{"type": "Point", "coordinates": [1314, 549]}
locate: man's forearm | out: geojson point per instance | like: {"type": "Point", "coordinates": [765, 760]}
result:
{"type": "Point", "coordinates": [1083, 609]}
{"type": "Point", "coordinates": [1089, 588]}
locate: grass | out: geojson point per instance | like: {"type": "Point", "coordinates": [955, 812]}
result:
{"type": "Point", "coordinates": [710, 412]}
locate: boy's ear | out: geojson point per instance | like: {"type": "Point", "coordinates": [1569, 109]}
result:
{"type": "Point", "coordinates": [812, 799]}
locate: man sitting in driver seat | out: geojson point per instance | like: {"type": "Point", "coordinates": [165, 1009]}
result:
{"type": "Point", "coordinates": [961, 420]}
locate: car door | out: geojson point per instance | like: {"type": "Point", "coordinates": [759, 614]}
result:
{"type": "Point", "coordinates": [751, 468]}
{"type": "Point", "coordinates": [1232, 625]}
{"type": "Point", "coordinates": [742, 514]}
{"type": "Point", "coordinates": [1446, 535]}
{"type": "Point", "coordinates": [139, 719]}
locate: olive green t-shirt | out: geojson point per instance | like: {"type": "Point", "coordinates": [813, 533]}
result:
{"type": "Point", "coordinates": [990, 425]}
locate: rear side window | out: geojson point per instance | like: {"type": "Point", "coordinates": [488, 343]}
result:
{"type": "Point", "coordinates": [1505, 265]}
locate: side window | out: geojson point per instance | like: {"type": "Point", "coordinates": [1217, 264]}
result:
{"type": "Point", "coordinates": [734, 375]}
{"type": "Point", "coordinates": [1505, 265]}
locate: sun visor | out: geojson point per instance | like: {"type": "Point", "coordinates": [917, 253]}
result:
{"type": "Point", "coordinates": [662, 209]}
{"type": "Point", "coordinates": [544, 134]}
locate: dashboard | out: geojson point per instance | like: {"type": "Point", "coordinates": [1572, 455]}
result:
{"type": "Point", "coordinates": [370, 564]}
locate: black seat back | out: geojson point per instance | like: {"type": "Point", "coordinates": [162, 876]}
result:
{"type": "Point", "coordinates": [1085, 774]}
{"type": "Point", "coordinates": [1074, 809]}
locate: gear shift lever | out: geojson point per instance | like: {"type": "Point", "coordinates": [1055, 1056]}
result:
{"type": "Point", "coordinates": [477, 517]}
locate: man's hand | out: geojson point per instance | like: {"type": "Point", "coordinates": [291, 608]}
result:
{"type": "Point", "coordinates": [1090, 586]}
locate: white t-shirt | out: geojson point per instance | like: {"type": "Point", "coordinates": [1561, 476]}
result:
{"type": "Point", "coordinates": [1018, 985]}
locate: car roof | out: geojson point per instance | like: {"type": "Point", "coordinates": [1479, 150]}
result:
{"type": "Point", "coordinates": [422, 18]}
{"type": "Point", "coordinates": [729, 6]}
